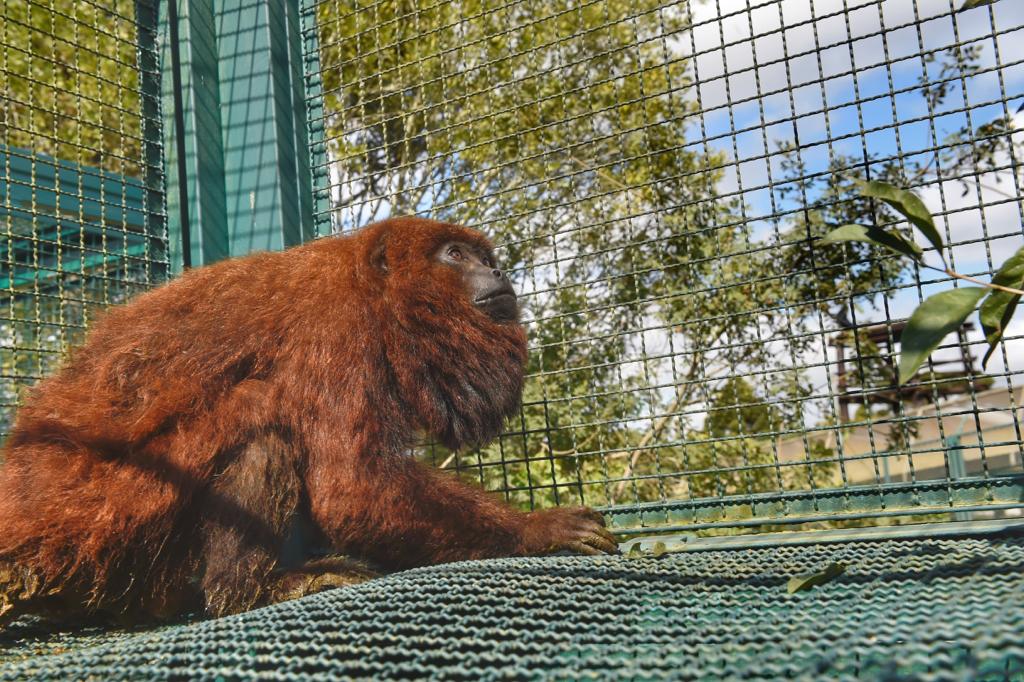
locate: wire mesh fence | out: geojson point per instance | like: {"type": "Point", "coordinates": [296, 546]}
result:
{"type": "Point", "coordinates": [81, 185]}
{"type": "Point", "coordinates": [658, 174]}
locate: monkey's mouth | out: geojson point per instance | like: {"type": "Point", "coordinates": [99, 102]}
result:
{"type": "Point", "coordinates": [500, 304]}
{"type": "Point", "coordinates": [500, 293]}
{"type": "Point", "coordinates": [503, 297]}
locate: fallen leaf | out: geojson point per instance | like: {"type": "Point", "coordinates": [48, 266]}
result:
{"type": "Point", "coordinates": [808, 580]}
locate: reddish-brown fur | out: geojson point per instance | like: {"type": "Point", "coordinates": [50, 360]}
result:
{"type": "Point", "coordinates": [164, 467]}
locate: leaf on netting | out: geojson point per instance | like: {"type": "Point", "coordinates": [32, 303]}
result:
{"type": "Point", "coordinates": [808, 580]}
{"type": "Point", "coordinates": [997, 310]}
{"type": "Point", "coordinates": [1020, 109]}
{"type": "Point", "coordinates": [658, 549]}
{"type": "Point", "coordinates": [876, 236]}
{"type": "Point", "coordinates": [635, 551]}
{"type": "Point", "coordinates": [971, 4]}
{"type": "Point", "coordinates": [937, 316]}
{"type": "Point", "coordinates": [908, 204]}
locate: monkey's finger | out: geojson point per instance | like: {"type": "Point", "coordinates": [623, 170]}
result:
{"type": "Point", "coordinates": [605, 533]}
{"type": "Point", "coordinates": [602, 543]}
{"type": "Point", "coordinates": [610, 538]}
{"type": "Point", "coordinates": [600, 531]}
{"type": "Point", "coordinates": [583, 548]}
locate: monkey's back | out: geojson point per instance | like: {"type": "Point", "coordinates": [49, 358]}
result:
{"type": "Point", "coordinates": [105, 455]}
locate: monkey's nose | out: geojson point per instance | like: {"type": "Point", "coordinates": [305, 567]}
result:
{"type": "Point", "coordinates": [497, 273]}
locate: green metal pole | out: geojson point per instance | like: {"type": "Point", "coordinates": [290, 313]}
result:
{"type": "Point", "coordinates": [155, 252]}
{"type": "Point", "coordinates": [315, 115]}
{"type": "Point", "coordinates": [266, 152]}
{"type": "Point", "coordinates": [204, 157]}
{"type": "Point", "coordinates": [246, 141]}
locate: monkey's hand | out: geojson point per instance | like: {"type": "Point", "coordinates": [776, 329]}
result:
{"type": "Point", "coordinates": [577, 529]}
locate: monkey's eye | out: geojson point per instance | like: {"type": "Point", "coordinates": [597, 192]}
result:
{"type": "Point", "coordinates": [455, 253]}
{"type": "Point", "coordinates": [488, 262]}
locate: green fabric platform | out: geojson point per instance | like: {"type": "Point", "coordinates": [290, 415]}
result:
{"type": "Point", "coordinates": [921, 609]}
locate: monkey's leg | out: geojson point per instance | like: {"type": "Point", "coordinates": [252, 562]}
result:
{"type": "Point", "coordinates": [246, 517]}
{"type": "Point", "coordinates": [17, 590]}
{"type": "Point", "coordinates": [319, 575]}
{"type": "Point", "coordinates": [23, 592]}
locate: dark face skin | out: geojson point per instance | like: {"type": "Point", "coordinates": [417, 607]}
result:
{"type": "Point", "coordinates": [488, 286]}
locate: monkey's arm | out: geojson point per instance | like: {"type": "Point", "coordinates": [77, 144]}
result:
{"type": "Point", "coordinates": [399, 513]}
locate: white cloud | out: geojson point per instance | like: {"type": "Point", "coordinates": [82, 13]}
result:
{"type": "Point", "coordinates": [827, 32]}
{"type": "Point", "coordinates": [843, 36]}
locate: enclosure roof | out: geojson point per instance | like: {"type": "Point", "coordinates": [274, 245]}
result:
{"type": "Point", "coordinates": [927, 609]}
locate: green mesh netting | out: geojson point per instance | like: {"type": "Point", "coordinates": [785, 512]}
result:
{"type": "Point", "coordinates": [904, 609]}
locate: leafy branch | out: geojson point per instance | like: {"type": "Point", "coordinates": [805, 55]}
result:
{"type": "Point", "coordinates": [944, 312]}
{"type": "Point", "coordinates": [971, 4]}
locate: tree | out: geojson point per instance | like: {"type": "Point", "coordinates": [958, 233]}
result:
{"type": "Point", "coordinates": [71, 83]}
{"type": "Point", "coordinates": [563, 130]}
{"type": "Point", "coordinates": [566, 130]}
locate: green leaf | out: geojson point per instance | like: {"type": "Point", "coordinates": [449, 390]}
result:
{"type": "Point", "coordinates": [997, 310]}
{"type": "Point", "coordinates": [908, 204]}
{"type": "Point", "coordinates": [971, 4]}
{"type": "Point", "coordinates": [995, 315]}
{"type": "Point", "coordinates": [937, 316]}
{"type": "Point", "coordinates": [874, 235]}
{"type": "Point", "coordinates": [808, 580]}
{"type": "Point", "coordinates": [1011, 272]}
{"type": "Point", "coordinates": [658, 549]}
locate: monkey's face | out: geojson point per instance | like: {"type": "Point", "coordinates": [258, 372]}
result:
{"type": "Point", "coordinates": [488, 287]}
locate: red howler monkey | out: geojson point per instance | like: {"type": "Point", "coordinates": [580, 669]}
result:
{"type": "Point", "coordinates": [207, 424]}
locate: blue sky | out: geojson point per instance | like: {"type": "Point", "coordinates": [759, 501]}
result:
{"type": "Point", "coordinates": [804, 69]}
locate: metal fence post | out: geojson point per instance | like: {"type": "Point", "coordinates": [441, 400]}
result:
{"type": "Point", "coordinates": [249, 178]}
{"type": "Point", "coordinates": [316, 121]}
{"type": "Point", "coordinates": [957, 467]}
{"type": "Point", "coordinates": [203, 148]}
{"type": "Point", "coordinates": [156, 254]}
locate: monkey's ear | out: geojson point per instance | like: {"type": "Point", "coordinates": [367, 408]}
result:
{"type": "Point", "coordinates": [379, 257]}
